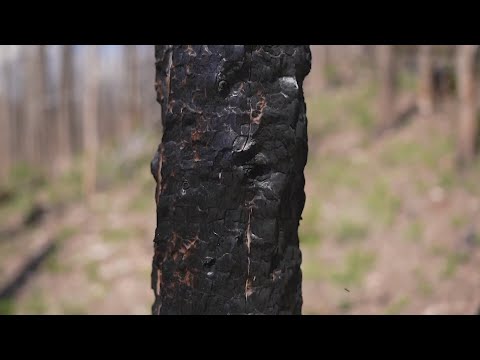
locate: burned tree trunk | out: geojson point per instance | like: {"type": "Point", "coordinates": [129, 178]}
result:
{"type": "Point", "coordinates": [467, 96]}
{"type": "Point", "coordinates": [230, 183]}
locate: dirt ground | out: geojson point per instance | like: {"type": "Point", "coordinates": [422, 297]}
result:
{"type": "Point", "coordinates": [390, 226]}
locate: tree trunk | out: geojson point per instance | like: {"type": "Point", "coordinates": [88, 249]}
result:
{"type": "Point", "coordinates": [66, 110]}
{"type": "Point", "coordinates": [134, 106]}
{"type": "Point", "coordinates": [425, 80]}
{"type": "Point", "coordinates": [467, 94]}
{"type": "Point", "coordinates": [35, 106]}
{"type": "Point", "coordinates": [90, 114]}
{"type": "Point", "coordinates": [319, 78]}
{"type": "Point", "coordinates": [230, 183]}
{"type": "Point", "coordinates": [5, 121]}
{"type": "Point", "coordinates": [386, 93]}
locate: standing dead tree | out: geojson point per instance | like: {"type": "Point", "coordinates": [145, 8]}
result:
{"type": "Point", "coordinates": [230, 182]}
{"type": "Point", "coordinates": [467, 96]}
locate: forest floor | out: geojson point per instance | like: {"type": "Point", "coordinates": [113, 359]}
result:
{"type": "Point", "coordinates": [389, 226]}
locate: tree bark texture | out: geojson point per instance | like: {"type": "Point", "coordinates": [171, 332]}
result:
{"type": "Point", "coordinates": [467, 94]}
{"type": "Point", "coordinates": [230, 182]}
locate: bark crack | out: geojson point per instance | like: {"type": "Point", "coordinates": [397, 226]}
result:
{"type": "Point", "coordinates": [248, 282]}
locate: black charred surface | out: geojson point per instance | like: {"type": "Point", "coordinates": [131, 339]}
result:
{"type": "Point", "coordinates": [230, 183]}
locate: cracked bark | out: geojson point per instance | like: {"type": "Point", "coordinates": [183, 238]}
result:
{"type": "Point", "coordinates": [230, 183]}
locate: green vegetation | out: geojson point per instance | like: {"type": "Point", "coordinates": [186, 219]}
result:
{"type": "Point", "coordinates": [382, 204]}
{"type": "Point", "coordinates": [350, 231]}
{"type": "Point", "coordinates": [310, 238]}
{"type": "Point", "coordinates": [345, 305]}
{"type": "Point", "coordinates": [142, 202]}
{"type": "Point", "coordinates": [325, 110]}
{"type": "Point", "coordinates": [447, 179]}
{"type": "Point", "coordinates": [36, 304]}
{"type": "Point", "coordinates": [54, 264]}
{"type": "Point", "coordinates": [439, 250]}
{"type": "Point", "coordinates": [398, 306]}
{"type": "Point", "coordinates": [314, 270]}
{"type": "Point", "coordinates": [309, 232]}
{"type": "Point", "coordinates": [73, 309]}
{"type": "Point", "coordinates": [357, 264]}
{"type": "Point", "coordinates": [67, 188]}
{"type": "Point", "coordinates": [414, 231]}
{"type": "Point", "coordinates": [407, 81]}
{"type": "Point", "coordinates": [459, 221]}
{"type": "Point", "coordinates": [117, 234]}
{"type": "Point", "coordinates": [331, 74]}
{"type": "Point", "coordinates": [411, 152]}
{"type": "Point", "coordinates": [92, 270]}
{"type": "Point", "coordinates": [424, 286]}
{"type": "Point", "coordinates": [66, 233]}
{"type": "Point", "coordinates": [7, 307]}
{"type": "Point", "coordinates": [337, 171]}
{"type": "Point", "coordinates": [359, 106]}
{"type": "Point", "coordinates": [453, 261]}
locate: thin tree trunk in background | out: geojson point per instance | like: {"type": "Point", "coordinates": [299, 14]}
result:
{"type": "Point", "coordinates": [322, 63]}
{"type": "Point", "coordinates": [425, 80]}
{"type": "Point", "coordinates": [130, 97]}
{"type": "Point", "coordinates": [5, 128]}
{"type": "Point", "coordinates": [230, 183]}
{"type": "Point", "coordinates": [125, 120]}
{"type": "Point", "coordinates": [90, 114]}
{"type": "Point", "coordinates": [151, 117]}
{"type": "Point", "coordinates": [467, 95]}
{"type": "Point", "coordinates": [46, 122]}
{"type": "Point", "coordinates": [134, 106]}
{"type": "Point", "coordinates": [386, 92]}
{"type": "Point", "coordinates": [34, 104]}
{"type": "Point", "coordinates": [66, 110]}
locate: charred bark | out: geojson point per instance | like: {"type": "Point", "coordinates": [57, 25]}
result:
{"type": "Point", "coordinates": [230, 182]}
